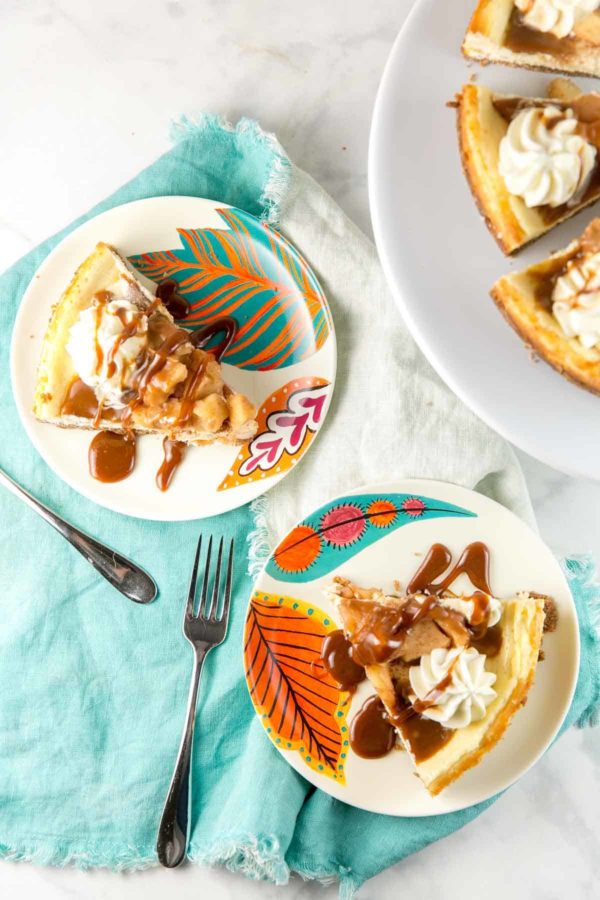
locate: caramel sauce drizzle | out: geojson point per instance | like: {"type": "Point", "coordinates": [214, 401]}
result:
{"type": "Point", "coordinates": [424, 736]}
{"type": "Point", "coordinates": [226, 324]}
{"type": "Point", "coordinates": [168, 293]}
{"type": "Point", "coordinates": [388, 626]}
{"type": "Point", "coordinates": [112, 454]}
{"type": "Point", "coordinates": [80, 401]}
{"type": "Point", "coordinates": [192, 384]}
{"type": "Point", "coordinates": [387, 629]}
{"type": "Point", "coordinates": [97, 418]}
{"type": "Point", "coordinates": [372, 734]}
{"type": "Point", "coordinates": [520, 38]}
{"type": "Point", "coordinates": [174, 451]}
{"type": "Point", "coordinates": [129, 330]}
{"type": "Point", "coordinates": [543, 278]}
{"type": "Point", "coordinates": [338, 659]}
{"type": "Point", "coordinates": [474, 562]}
{"type": "Point", "coordinates": [490, 642]}
{"type": "Point", "coordinates": [97, 345]}
{"type": "Point", "coordinates": [173, 455]}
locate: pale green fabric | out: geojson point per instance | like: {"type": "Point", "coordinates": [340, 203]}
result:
{"type": "Point", "coordinates": [93, 688]}
{"type": "Point", "coordinates": [391, 415]}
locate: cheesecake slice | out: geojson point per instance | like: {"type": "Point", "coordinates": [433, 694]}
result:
{"type": "Point", "coordinates": [451, 670]}
{"type": "Point", "coordinates": [530, 162]}
{"type": "Point", "coordinates": [113, 359]}
{"type": "Point", "coordinates": [552, 35]}
{"type": "Point", "coordinates": [554, 306]}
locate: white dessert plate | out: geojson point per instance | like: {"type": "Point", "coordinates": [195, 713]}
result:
{"type": "Point", "coordinates": [283, 358]}
{"type": "Point", "coordinates": [373, 536]}
{"type": "Point", "coordinates": [441, 261]}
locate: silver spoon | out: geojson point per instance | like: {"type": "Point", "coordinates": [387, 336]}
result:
{"type": "Point", "coordinates": [124, 575]}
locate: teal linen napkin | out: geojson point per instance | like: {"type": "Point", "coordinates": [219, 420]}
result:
{"type": "Point", "coordinates": [93, 688]}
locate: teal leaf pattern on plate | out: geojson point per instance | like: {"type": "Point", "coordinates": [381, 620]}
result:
{"type": "Point", "coordinates": [251, 272]}
{"type": "Point", "coordinates": [338, 531]}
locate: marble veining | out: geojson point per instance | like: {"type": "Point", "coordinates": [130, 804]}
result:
{"type": "Point", "coordinates": [87, 94]}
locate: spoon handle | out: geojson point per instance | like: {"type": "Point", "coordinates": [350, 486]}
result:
{"type": "Point", "coordinates": [124, 575]}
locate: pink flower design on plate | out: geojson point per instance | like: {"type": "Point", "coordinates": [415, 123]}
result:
{"type": "Point", "coordinates": [343, 525]}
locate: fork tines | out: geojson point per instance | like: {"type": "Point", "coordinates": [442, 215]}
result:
{"type": "Point", "coordinates": [210, 611]}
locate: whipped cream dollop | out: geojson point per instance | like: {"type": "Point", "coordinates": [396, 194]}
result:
{"type": "Point", "coordinates": [466, 606]}
{"type": "Point", "coordinates": [543, 160]}
{"type": "Point", "coordinates": [576, 300]}
{"type": "Point", "coordinates": [96, 338]}
{"type": "Point", "coordinates": [468, 694]}
{"type": "Point", "coordinates": [557, 17]}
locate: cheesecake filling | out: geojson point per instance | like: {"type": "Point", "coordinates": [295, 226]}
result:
{"type": "Point", "coordinates": [543, 159]}
{"type": "Point", "coordinates": [452, 686]}
{"type": "Point", "coordinates": [557, 17]}
{"type": "Point", "coordinates": [576, 300]}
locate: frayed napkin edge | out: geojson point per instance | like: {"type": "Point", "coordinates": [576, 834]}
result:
{"type": "Point", "coordinates": [130, 859]}
{"type": "Point", "coordinates": [582, 576]}
{"type": "Point", "coordinates": [278, 179]}
{"type": "Point", "coordinates": [257, 858]}
{"type": "Point", "coordinates": [259, 541]}
{"type": "Point", "coordinates": [260, 859]}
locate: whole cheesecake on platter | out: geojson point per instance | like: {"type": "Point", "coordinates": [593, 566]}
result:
{"type": "Point", "coordinates": [552, 35]}
{"type": "Point", "coordinates": [531, 162]}
{"type": "Point", "coordinates": [114, 360]}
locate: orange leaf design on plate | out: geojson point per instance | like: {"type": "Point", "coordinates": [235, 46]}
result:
{"type": "Point", "coordinates": [247, 270]}
{"type": "Point", "coordinates": [288, 420]}
{"type": "Point", "coordinates": [300, 705]}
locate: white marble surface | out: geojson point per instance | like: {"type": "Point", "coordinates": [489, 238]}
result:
{"type": "Point", "coordinates": [87, 91]}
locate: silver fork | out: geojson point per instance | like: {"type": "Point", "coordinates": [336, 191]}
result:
{"type": "Point", "coordinates": [204, 630]}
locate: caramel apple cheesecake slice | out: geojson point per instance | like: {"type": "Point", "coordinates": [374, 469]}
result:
{"type": "Point", "coordinates": [554, 306]}
{"type": "Point", "coordinates": [451, 670]}
{"type": "Point", "coordinates": [113, 359]}
{"type": "Point", "coordinates": [531, 163]}
{"type": "Point", "coordinates": [554, 35]}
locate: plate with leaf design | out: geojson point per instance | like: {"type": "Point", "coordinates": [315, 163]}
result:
{"type": "Point", "coordinates": [375, 536]}
{"type": "Point", "coordinates": [225, 262]}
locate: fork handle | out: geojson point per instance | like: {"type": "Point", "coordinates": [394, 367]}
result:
{"type": "Point", "coordinates": [174, 824]}
{"type": "Point", "coordinates": [125, 576]}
